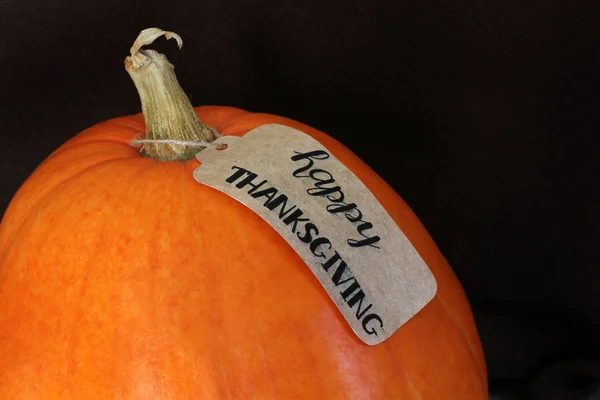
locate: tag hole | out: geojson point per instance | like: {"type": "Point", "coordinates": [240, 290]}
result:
{"type": "Point", "coordinates": [221, 146]}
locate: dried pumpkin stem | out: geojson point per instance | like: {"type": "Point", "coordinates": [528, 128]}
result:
{"type": "Point", "coordinates": [168, 113]}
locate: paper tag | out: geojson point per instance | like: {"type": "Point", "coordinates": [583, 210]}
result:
{"type": "Point", "coordinates": [330, 218]}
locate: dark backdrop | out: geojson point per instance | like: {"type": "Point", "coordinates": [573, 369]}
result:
{"type": "Point", "coordinates": [492, 106]}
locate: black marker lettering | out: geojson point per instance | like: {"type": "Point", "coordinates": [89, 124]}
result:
{"type": "Point", "coordinates": [294, 218]}
{"type": "Point", "coordinates": [307, 232]}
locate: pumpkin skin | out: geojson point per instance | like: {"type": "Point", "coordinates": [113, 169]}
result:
{"type": "Point", "coordinates": [121, 277]}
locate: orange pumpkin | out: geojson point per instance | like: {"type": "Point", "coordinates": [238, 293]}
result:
{"type": "Point", "coordinates": [121, 277]}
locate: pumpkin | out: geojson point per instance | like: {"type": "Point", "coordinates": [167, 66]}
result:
{"type": "Point", "coordinates": [121, 277]}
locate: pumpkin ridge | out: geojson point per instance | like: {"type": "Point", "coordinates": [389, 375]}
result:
{"type": "Point", "coordinates": [73, 337]}
{"type": "Point", "coordinates": [80, 144]}
{"type": "Point", "coordinates": [117, 129]}
{"type": "Point", "coordinates": [472, 351]}
{"type": "Point", "coordinates": [412, 391]}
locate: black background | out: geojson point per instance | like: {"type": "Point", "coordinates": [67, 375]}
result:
{"type": "Point", "coordinates": [492, 106]}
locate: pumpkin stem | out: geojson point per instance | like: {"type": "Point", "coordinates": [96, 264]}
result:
{"type": "Point", "coordinates": [168, 113]}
